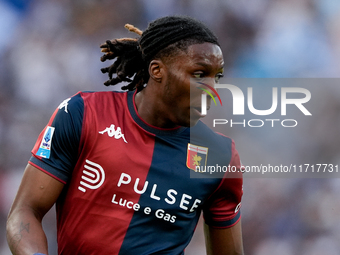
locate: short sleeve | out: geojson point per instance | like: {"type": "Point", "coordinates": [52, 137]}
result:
{"type": "Point", "coordinates": [57, 148]}
{"type": "Point", "coordinates": [222, 209]}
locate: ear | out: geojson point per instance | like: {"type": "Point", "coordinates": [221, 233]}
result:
{"type": "Point", "coordinates": [156, 70]}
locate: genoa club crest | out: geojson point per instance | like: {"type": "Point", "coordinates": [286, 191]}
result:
{"type": "Point", "coordinates": [196, 157]}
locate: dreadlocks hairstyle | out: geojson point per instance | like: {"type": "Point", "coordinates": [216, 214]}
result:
{"type": "Point", "coordinates": [163, 37]}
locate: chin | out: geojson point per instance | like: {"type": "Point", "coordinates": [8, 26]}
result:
{"type": "Point", "coordinates": [193, 122]}
{"type": "Point", "coordinates": [189, 121]}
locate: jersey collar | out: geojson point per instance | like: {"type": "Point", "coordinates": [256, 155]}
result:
{"type": "Point", "coordinates": [146, 126]}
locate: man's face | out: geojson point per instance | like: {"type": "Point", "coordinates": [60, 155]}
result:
{"type": "Point", "coordinates": [181, 96]}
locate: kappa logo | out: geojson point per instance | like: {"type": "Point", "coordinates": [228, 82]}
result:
{"type": "Point", "coordinates": [64, 104]}
{"type": "Point", "coordinates": [238, 206]}
{"type": "Point", "coordinates": [213, 90]}
{"type": "Point", "coordinates": [93, 176]}
{"type": "Point", "coordinates": [112, 132]}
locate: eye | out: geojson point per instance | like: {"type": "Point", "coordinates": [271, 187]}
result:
{"type": "Point", "coordinates": [198, 75]}
{"type": "Point", "coordinates": [218, 77]}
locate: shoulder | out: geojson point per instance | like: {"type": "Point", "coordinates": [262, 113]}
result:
{"type": "Point", "coordinates": [72, 103]}
{"type": "Point", "coordinates": [101, 97]}
{"type": "Point", "coordinates": [103, 105]}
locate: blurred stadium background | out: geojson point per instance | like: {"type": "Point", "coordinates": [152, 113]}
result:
{"type": "Point", "coordinates": [49, 50]}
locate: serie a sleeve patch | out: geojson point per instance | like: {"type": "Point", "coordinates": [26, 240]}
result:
{"type": "Point", "coordinates": [44, 150]}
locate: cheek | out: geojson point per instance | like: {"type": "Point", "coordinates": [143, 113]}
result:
{"type": "Point", "coordinates": [178, 88]}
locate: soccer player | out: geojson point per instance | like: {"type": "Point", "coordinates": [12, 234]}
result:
{"type": "Point", "coordinates": [121, 166]}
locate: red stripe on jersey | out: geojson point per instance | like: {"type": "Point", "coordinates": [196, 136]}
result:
{"type": "Point", "coordinates": [88, 216]}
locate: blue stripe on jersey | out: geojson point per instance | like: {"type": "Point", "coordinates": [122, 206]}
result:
{"type": "Point", "coordinates": [172, 202]}
{"type": "Point", "coordinates": [169, 226]}
{"type": "Point", "coordinates": [66, 138]}
{"type": "Point", "coordinates": [159, 232]}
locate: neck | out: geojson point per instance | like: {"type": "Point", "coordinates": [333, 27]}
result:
{"type": "Point", "coordinates": [151, 110]}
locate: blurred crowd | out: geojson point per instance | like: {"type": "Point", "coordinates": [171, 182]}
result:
{"type": "Point", "coordinates": [49, 50]}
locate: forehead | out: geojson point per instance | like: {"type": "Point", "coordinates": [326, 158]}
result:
{"type": "Point", "coordinates": [205, 53]}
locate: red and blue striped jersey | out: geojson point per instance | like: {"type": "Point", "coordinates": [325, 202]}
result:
{"type": "Point", "coordinates": [132, 188]}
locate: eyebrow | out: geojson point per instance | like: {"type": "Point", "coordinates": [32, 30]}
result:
{"type": "Point", "coordinates": [207, 65]}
